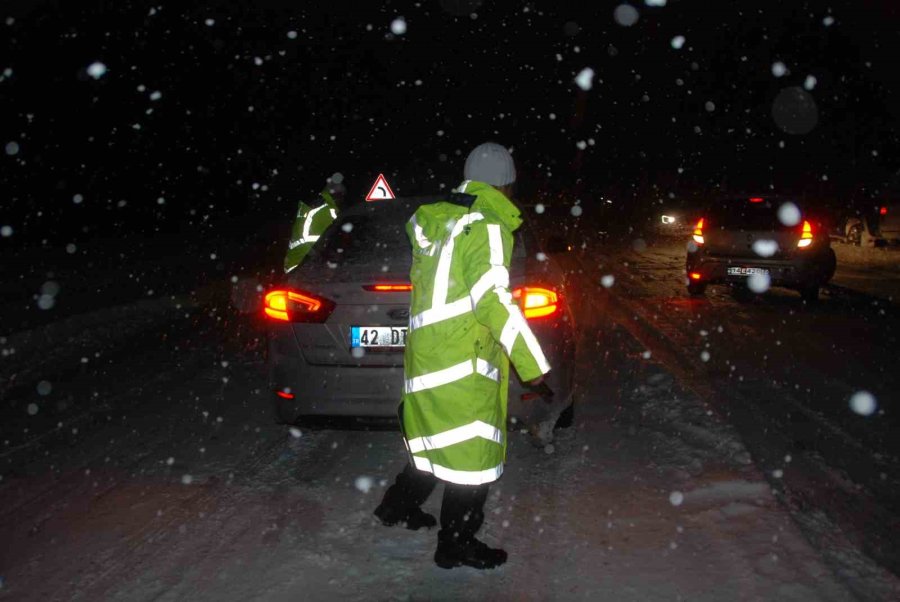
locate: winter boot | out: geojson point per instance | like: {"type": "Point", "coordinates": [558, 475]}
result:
{"type": "Point", "coordinates": [474, 553]}
{"type": "Point", "coordinates": [413, 519]}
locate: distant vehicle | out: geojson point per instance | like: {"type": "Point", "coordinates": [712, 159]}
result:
{"type": "Point", "coordinates": [755, 242]}
{"type": "Point", "coordinates": [337, 325]}
{"type": "Point", "coordinates": [877, 223]}
{"type": "Point", "coordinates": [675, 219]}
{"type": "Point", "coordinates": [876, 227]}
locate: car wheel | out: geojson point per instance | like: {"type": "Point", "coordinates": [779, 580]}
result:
{"type": "Point", "coordinates": [566, 418]}
{"type": "Point", "coordinates": [854, 235]}
{"type": "Point", "coordinates": [810, 294]}
{"type": "Point", "coordinates": [696, 289]}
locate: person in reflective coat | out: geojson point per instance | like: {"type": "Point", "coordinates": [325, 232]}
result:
{"type": "Point", "coordinates": [464, 330]}
{"type": "Point", "coordinates": [312, 220]}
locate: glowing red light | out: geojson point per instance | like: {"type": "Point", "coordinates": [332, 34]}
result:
{"type": "Point", "coordinates": [388, 288]}
{"type": "Point", "coordinates": [756, 199]}
{"type": "Point", "coordinates": [883, 211]}
{"type": "Point", "coordinates": [698, 232]}
{"type": "Point", "coordinates": [537, 302]}
{"type": "Point", "coordinates": [284, 394]}
{"type": "Point", "coordinates": [696, 275]}
{"type": "Point", "coordinates": [295, 306]}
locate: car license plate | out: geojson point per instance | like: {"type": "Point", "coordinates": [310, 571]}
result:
{"type": "Point", "coordinates": [747, 271]}
{"type": "Point", "coordinates": [378, 336]}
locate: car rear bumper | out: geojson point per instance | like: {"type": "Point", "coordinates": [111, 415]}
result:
{"type": "Point", "coordinates": [373, 391]}
{"type": "Point", "coordinates": [797, 272]}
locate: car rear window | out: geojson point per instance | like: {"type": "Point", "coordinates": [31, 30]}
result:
{"type": "Point", "coordinates": [741, 214]}
{"type": "Point", "coordinates": [373, 238]}
{"type": "Point", "coordinates": [364, 239]}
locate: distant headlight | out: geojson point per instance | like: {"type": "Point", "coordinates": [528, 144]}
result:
{"type": "Point", "coordinates": [668, 219]}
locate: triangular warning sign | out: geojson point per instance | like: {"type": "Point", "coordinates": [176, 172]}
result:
{"type": "Point", "coordinates": [381, 190]}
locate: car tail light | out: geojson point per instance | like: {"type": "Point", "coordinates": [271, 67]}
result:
{"type": "Point", "coordinates": [806, 237]}
{"type": "Point", "coordinates": [297, 306]}
{"type": "Point", "coordinates": [698, 232]}
{"type": "Point", "coordinates": [756, 199]}
{"type": "Point", "coordinates": [537, 302]}
{"type": "Point", "coordinates": [696, 275]}
{"type": "Point", "coordinates": [882, 211]}
{"type": "Point", "coordinates": [387, 288]}
{"type": "Point", "coordinates": [284, 394]}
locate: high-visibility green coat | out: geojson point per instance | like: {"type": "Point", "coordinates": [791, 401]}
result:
{"type": "Point", "coordinates": [309, 225]}
{"type": "Point", "coordinates": [464, 329]}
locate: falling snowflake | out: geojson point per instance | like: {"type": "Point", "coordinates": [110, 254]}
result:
{"type": "Point", "coordinates": [678, 42]}
{"type": "Point", "coordinates": [44, 387]}
{"type": "Point", "coordinates": [608, 280]}
{"type": "Point", "coordinates": [33, 409]}
{"type": "Point", "coordinates": [789, 214]}
{"type": "Point", "coordinates": [863, 403]}
{"type": "Point", "coordinates": [828, 21]}
{"type": "Point", "coordinates": [765, 248]}
{"type": "Point", "coordinates": [292, 35]}
{"type": "Point", "coordinates": [187, 479]}
{"type": "Point", "coordinates": [364, 484]}
{"type": "Point", "coordinates": [46, 302]}
{"type": "Point", "coordinates": [295, 432]}
{"type": "Point", "coordinates": [584, 79]}
{"type": "Point", "coordinates": [576, 210]}
{"type": "Point", "coordinates": [210, 22]}
{"type": "Point", "coordinates": [710, 106]}
{"type": "Point", "coordinates": [12, 148]}
{"type": "Point", "coordinates": [398, 26]}
{"type": "Point", "coordinates": [6, 231]}
{"type": "Point", "coordinates": [541, 257]}
{"type": "Point", "coordinates": [810, 82]}
{"type": "Point", "coordinates": [77, 199]}
{"type": "Point", "coordinates": [347, 227]}
{"type": "Point", "coordinates": [759, 282]}
{"type": "Point", "coordinates": [676, 498]}
{"type": "Point", "coordinates": [96, 70]}
{"type": "Point", "coordinates": [704, 356]}
{"type": "Point", "coordinates": [778, 69]}
{"type": "Point", "coordinates": [539, 208]}
{"type": "Point", "coordinates": [625, 15]}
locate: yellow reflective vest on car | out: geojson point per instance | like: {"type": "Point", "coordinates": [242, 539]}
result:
{"type": "Point", "coordinates": [464, 330]}
{"type": "Point", "coordinates": [309, 225]}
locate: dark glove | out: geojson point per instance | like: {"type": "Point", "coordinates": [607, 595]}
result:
{"type": "Point", "coordinates": [543, 390]}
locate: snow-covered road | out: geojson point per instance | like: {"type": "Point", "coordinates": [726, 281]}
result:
{"type": "Point", "coordinates": [156, 473]}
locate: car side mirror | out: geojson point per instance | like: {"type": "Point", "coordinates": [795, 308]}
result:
{"type": "Point", "coordinates": [557, 244]}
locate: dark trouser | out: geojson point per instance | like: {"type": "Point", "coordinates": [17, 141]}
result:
{"type": "Point", "coordinates": [462, 509]}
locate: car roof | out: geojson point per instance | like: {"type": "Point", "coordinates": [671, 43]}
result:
{"type": "Point", "coordinates": [407, 205]}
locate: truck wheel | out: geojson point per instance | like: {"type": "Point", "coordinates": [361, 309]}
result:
{"type": "Point", "coordinates": [854, 235]}
{"type": "Point", "coordinates": [696, 289]}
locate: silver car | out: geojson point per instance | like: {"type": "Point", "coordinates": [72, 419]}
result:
{"type": "Point", "coordinates": [338, 323]}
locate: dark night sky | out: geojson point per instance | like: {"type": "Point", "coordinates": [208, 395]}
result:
{"type": "Point", "coordinates": [247, 112]}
